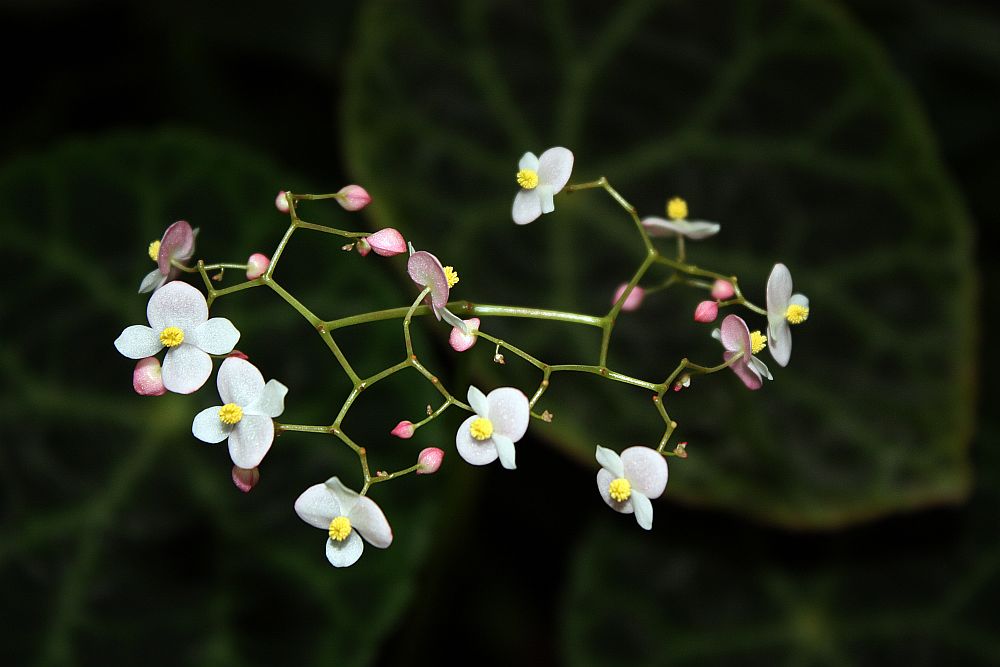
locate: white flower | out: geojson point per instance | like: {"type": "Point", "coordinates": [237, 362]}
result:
{"type": "Point", "coordinates": [246, 417]}
{"type": "Point", "coordinates": [501, 419]}
{"type": "Point", "coordinates": [678, 224]}
{"type": "Point", "coordinates": [178, 320]}
{"type": "Point", "coordinates": [628, 482]}
{"type": "Point", "coordinates": [541, 179]}
{"type": "Point", "coordinates": [344, 515]}
{"type": "Point", "coordinates": [783, 308]}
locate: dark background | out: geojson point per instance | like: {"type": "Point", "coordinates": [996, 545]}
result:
{"type": "Point", "coordinates": [847, 514]}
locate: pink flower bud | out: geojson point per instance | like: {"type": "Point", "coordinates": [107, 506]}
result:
{"type": "Point", "coordinates": [461, 342]}
{"type": "Point", "coordinates": [386, 242]}
{"type": "Point", "coordinates": [634, 299]}
{"type": "Point", "coordinates": [147, 378]}
{"type": "Point", "coordinates": [429, 460]}
{"type": "Point", "coordinates": [238, 355]}
{"type": "Point", "coordinates": [353, 197]}
{"type": "Point", "coordinates": [280, 202]}
{"type": "Point", "coordinates": [363, 247]}
{"type": "Point", "coordinates": [245, 478]}
{"type": "Point", "coordinates": [722, 290]}
{"type": "Point", "coordinates": [257, 265]}
{"type": "Point", "coordinates": [404, 430]}
{"type": "Point", "coordinates": [706, 311]}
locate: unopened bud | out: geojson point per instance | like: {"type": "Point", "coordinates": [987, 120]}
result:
{"type": "Point", "coordinates": [245, 478]}
{"type": "Point", "coordinates": [633, 300]}
{"type": "Point", "coordinates": [281, 202]}
{"type": "Point", "coordinates": [706, 311]}
{"type": "Point", "coordinates": [461, 342]}
{"type": "Point", "coordinates": [238, 355]}
{"type": "Point", "coordinates": [257, 265]}
{"type": "Point", "coordinates": [353, 197]}
{"type": "Point", "coordinates": [722, 290]}
{"type": "Point", "coordinates": [147, 378]}
{"type": "Point", "coordinates": [386, 242]}
{"type": "Point", "coordinates": [429, 460]}
{"type": "Point", "coordinates": [362, 245]}
{"type": "Point", "coordinates": [681, 450]}
{"type": "Point", "coordinates": [404, 430]}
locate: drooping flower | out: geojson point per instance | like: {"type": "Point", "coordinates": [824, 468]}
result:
{"type": "Point", "coordinates": [178, 320]}
{"type": "Point", "coordinates": [429, 460]}
{"type": "Point", "coordinates": [628, 482]}
{"type": "Point", "coordinates": [385, 242]}
{"type": "Point", "coordinates": [460, 341]}
{"type": "Point", "coordinates": [678, 224]}
{"type": "Point", "coordinates": [257, 265]}
{"type": "Point", "coordinates": [345, 515]}
{"type": "Point", "coordinates": [426, 271]}
{"type": "Point", "coordinates": [177, 244]}
{"type": "Point", "coordinates": [736, 338]}
{"type": "Point", "coordinates": [783, 308]}
{"type": "Point", "coordinates": [246, 418]}
{"type": "Point", "coordinates": [501, 419]}
{"type": "Point", "coordinates": [633, 300]}
{"type": "Point", "coordinates": [541, 179]}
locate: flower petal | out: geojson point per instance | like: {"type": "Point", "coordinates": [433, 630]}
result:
{"type": "Point", "coordinates": [460, 342]}
{"type": "Point", "coordinates": [735, 334]}
{"type": "Point", "coordinates": [177, 243]}
{"type": "Point", "coordinates": [367, 518]}
{"type": "Point", "coordinates": [604, 479]}
{"type": "Point", "coordinates": [696, 230]}
{"type": "Point", "coordinates": [528, 161]}
{"type": "Point", "coordinates": [527, 207]}
{"type": "Point", "coordinates": [216, 336]}
{"type": "Point", "coordinates": [425, 270]}
{"type": "Point", "coordinates": [347, 498]}
{"type": "Point", "coordinates": [509, 412]}
{"type": "Point", "coordinates": [643, 509]}
{"type": "Point", "coordinates": [454, 320]}
{"type": "Point", "coordinates": [610, 461]}
{"type": "Point", "coordinates": [239, 382]}
{"type": "Point", "coordinates": [318, 506]}
{"type": "Point", "coordinates": [545, 194]}
{"type": "Point", "coordinates": [505, 450]}
{"type": "Point", "coordinates": [646, 470]}
{"type": "Point", "coordinates": [476, 452]}
{"type": "Point", "coordinates": [185, 369]}
{"type": "Point", "coordinates": [152, 280]}
{"type": "Point", "coordinates": [176, 304]}
{"type": "Point", "coordinates": [271, 402]}
{"type": "Point", "coordinates": [555, 167]}
{"type": "Point", "coordinates": [477, 400]}
{"type": "Point", "coordinates": [760, 367]}
{"type": "Point", "coordinates": [345, 553]}
{"type": "Point", "coordinates": [250, 440]}
{"type": "Point", "coordinates": [799, 300]}
{"type": "Point", "coordinates": [207, 426]}
{"type": "Point", "coordinates": [779, 340]}
{"type": "Point", "coordinates": [138, 341]}
{"type": "Point", "coordinates": [745, 371]}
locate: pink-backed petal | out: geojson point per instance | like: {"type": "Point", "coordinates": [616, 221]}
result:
{"type": "Point", "coordinates": [633, 300]}
{"type": "Point", "coordinates": [250, 440]}
{"type": "Point", "coordinates": [367, 518]}
{"type": "Point", "coordinates": [745, 371]}
{"type": "Point", "coordinates": [461, 342]}
{"type": "Point", "coordinates": [207, 426]}
{"type": "Point", "coordinates": [735, 334]}
{"type": "Point", "coordinates": [387, 242]}
{"type": "Point", "coordinates": [527, 207]}
{"type": "Point", "coordinates": [257, 265]}
{"type": "Point", "coordinates": [147, 378]}
{"type": "Point", "coordinates": [176, 304]}
{"type": "Point", "coordinates": [476, 452]}
{"type": "Point", "coordinates": [706, 311]}
{"type": "Point", "coordinates": [270, 402]}
{"type": "Point", "coordinates": [239, 382]}
{"type": "Point", "coordinates": [426, 271]}
{"type": "Point", "coordinates": [643, 510]}
{"type": "Point", "coordinates": [429, 459]}
{"type": "Point", "coordinates": [345, 553]}
{"type": "Point", "coordinates": [216, 336]}
{"type": "Point", "coordinates": [318, 506]}
{"type": "Point", "coordinates": [177, 242]}
{"type": "Point", "coordinates": [138, 342]}
{"type": "Point", "coordinates": [722, 290]}
{"type": "Point", "coordinates": [646, 470]}
{"type": "Point", "coordinates": [186, 369]}
{"type": "Point", "coordinates": [610, 461]}
{"type": "Point", "coordinates": [555, 166]}
{"type": "Point", "coordinates": [604, 479]}
{"type": "Point", "coordinates": [509, 412]}
{"type": "Point", "coordinates": [528, 161]}
{"type": "Point", "coordinates": [245, 479]}
{"type": "Point", "coordinates": [153, 281]}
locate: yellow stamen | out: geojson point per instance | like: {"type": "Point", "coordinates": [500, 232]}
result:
{"type": "Point", "coordinates": [527, 179]}
{"type": "Point", "coordinates": [758, 342]}
{"type": "Point", "coordinates": [797, 314]}
{"type": "Point", "coordinates": [230, 413]}
{"type": "Point", "coordinates": [677, 209]}
{"type": "Point", "coordinates": [451, 275]}
{"type": "Point", "coordinates": [171, 337]}
{"type": "Point", "coordinates": [340, 528]}
{"type": "Point", "coordinates": [154, 250]}
{"type": "Point", "coordinates": [481, 428]}
{"type": "Point", "coordinates": [620, 489]}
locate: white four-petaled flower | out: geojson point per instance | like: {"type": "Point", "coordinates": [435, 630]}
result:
{"type": "Point", "coordinates": [501, 419]}
{"type": "Point", "coordinates": [678, 224]}
{"type": "Point", "coordinates": [783, 308]}
{"type": "Point", "coordinates": [541, 179]}
{"type": "Point", "coordinates": [178, 320]}
{"type": "Point", "coordinates": [737, 339]}
{"type": "Point", "coordinates": [628, 482]}
{"type": "Point", "coordinates": [247, 414]}
{"type": "Point", "coordinates": [344, 514]}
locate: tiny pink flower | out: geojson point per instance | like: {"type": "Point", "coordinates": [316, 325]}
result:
{"type": "Point", "coordinates": [177, 244]}
{"type": "Point", "coordinates": [706, 311]}
{"type": "Point", "coordinates": [722, 290]}
{"type": "Point", "coordinates": [257, 265]}
{"type": "Point", "coordinates": [429, 460]}
{"type": "Point", "coordinates": [281, 202]}
{"type": "Point", "coordinates": [147, 378]}
{"type": "Point", "coordinates": [425, 269]}
{"type": "Point", "coordinates": [404, 430]}
{"type": "Point", "coordinates": [385, 242]}
{"type": "Point", "coordinates": [633, 300]}
{"type": "Point", "coordinates": [353, 197]}
{"type": "Point", "coordinates": [736, 338]}
{"type": "Point", "coordinates": [460, 342]}
{"type": "Point", "coordinates": [245, 478]}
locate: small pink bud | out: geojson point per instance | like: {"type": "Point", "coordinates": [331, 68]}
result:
{"type": "Point", "coordinates": [634, 299]}
{"type": "Point", "coordinates": [722, 290]}
{"type": "Point", "coordinates": [387, 242]}
{"type": "Point", "coordinates": [257, 265]}
{"type": "Point", "coordinates": [429, 460]}
{"type": "Point", "coordinates": [353, 197]}
{"type": "Point", "coordinates": [404, 430]}
{"type": "Point", "coordinates": [461, 342]}
{"type": "Point", "coordinates": [147, 378]}
{"type": "Point", "coordinates": [280, 202]}
{"type": "Point", "coordinates": [706, 311]}
{"type": "Point", "coordinates": [238, 355]}
{"type": "Point", "coordinates": [245, 478]}
{"type": "Point", "coordinates": [362, 245]}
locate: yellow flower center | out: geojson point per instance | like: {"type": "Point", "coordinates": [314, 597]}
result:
{"type": "Point", "coordinates": [230, 413]}
{"type": "Point", "coordinates": [758, 342]}
{"type": "Point", "coordinates": [677, 209]}
{"type": "Point", "coordinates": [451, 275]}
{"type": "Point", "coordinates": [171, 337]}
{"type": "Point", "coordinates": [527, 179]}
{"type": "Point", "coordinates": [481, 428]}
{"type": "Point", "coordinates": [797, 314]}
{"type": "Point", "coordinates": [620, 489]}
{"type": "Point", "coordinates": [340, 528]}
{"type": "Point", "coordinates": [154, 250]}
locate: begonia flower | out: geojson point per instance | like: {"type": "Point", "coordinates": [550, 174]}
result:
{"type": "Point", "coordinates": [678, 224]}
{"type": "Point", "coordinates": [541, 179]}
{"type": "Point", "coordinates": [736, 338]}
{"type": "Point", "coordinates": [501, 419]}
{"type": "Point", "coordinates": [177, 244]}
{"type": "Point", "coordinates": [347, 517]}
{"type": "Point", "coordinates": [628, 482]}
{"type": "Point", "coordinates": [783, 308]}
{"type": "Point", "coordinates": [425, 269]}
